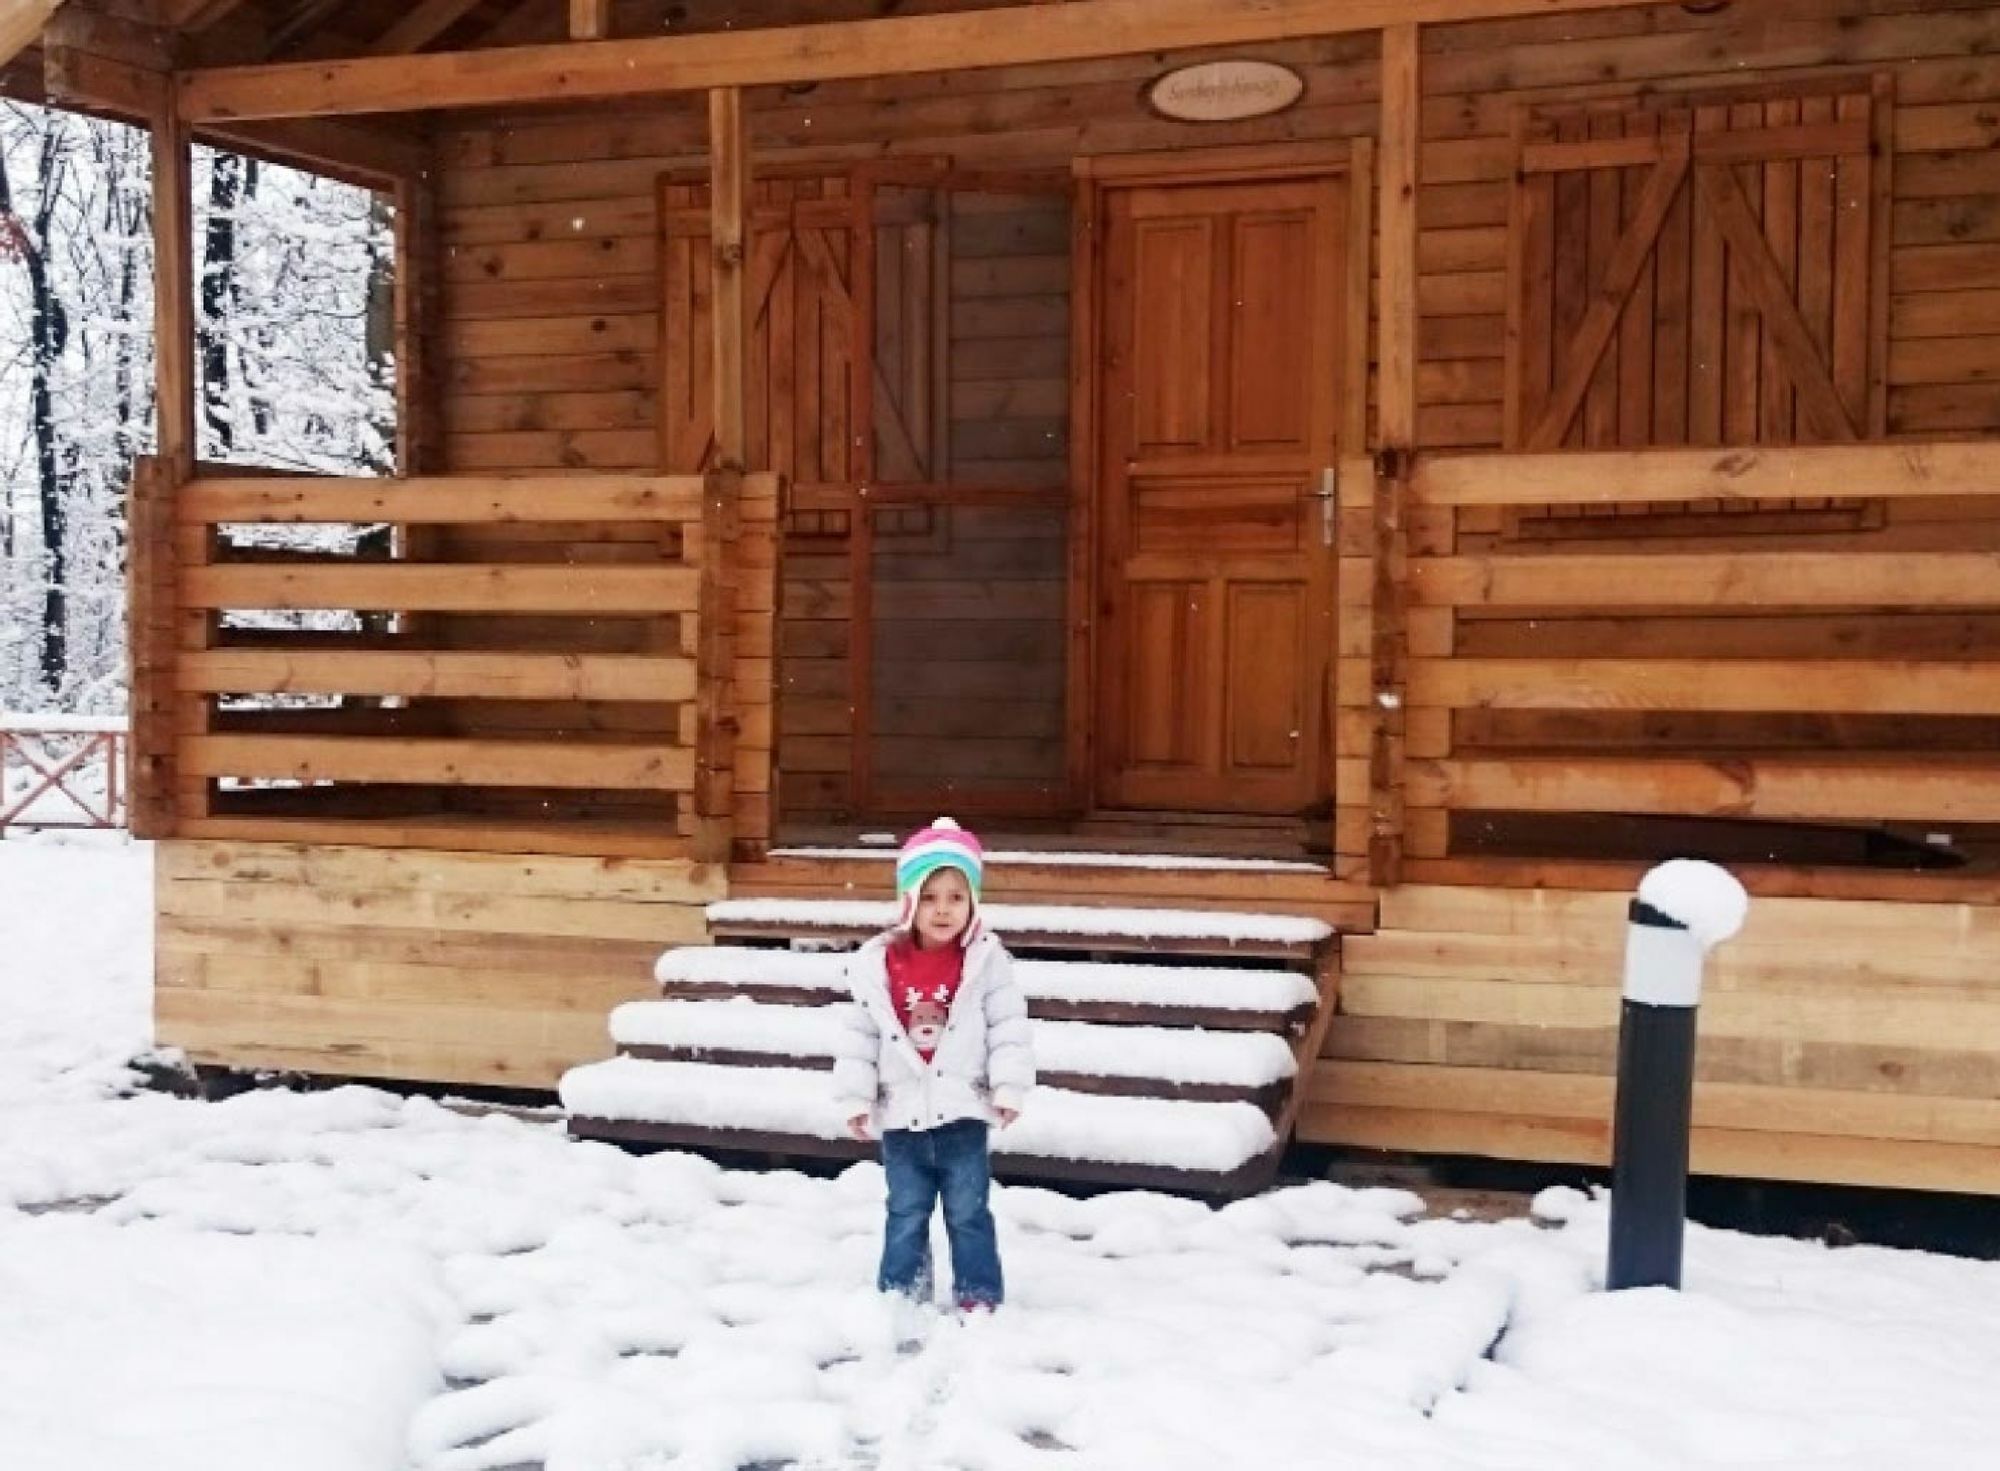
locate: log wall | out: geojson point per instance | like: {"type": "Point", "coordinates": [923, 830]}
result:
{"type": "Point", "coordinates": [1944, 287]}
{"type": "Point", "coordinates": [1856, 1042]}
{"type": "Point", "coordinates": [554, 271]}
{"type": "Point", "coordinates": [555, 328]}
{"type": "Point", "coordinates": [481, 968]}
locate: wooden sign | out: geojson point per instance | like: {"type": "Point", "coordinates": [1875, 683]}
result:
{"type": "Point", "coordinates": [1225, 91]}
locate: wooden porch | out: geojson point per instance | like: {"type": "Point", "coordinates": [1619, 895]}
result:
{"type": "Point", "coordinates": [1657, 396]}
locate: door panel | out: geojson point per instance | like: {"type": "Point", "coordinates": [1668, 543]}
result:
{"type": "Point", "coordinates": [1221, 394]}
{"type": "Point", "coordinates": [1169, 638]}
{"type": "Point", "coordinates": [1264, 643]}
{"type": "Point", "coordinates": [1173, 339]}
{"type": "Point", "coordinates": [1270, 375]}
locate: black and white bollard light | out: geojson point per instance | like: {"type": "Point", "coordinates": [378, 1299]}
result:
{"type": "Point", "coordinates": [1683, 908]}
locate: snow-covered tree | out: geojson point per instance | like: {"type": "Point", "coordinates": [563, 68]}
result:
{"type": "Point", "coordinates": [291, 292]}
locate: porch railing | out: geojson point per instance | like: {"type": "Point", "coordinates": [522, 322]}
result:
{"type": "Point", "coordinates": [517, 661]}
{"type": "Point", "coordinates": [1818, 682]}
{"type": "Point", "coordinates": [62, 771]}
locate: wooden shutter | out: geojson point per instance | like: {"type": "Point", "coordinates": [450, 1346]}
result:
{"type": "Point", "coordinates": [799, 402]}
{"type": "Point", "coordinates": [1703, 271]}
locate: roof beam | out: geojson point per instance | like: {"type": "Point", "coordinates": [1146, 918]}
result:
{"type": "Point", "coordinates": [589, 20]}
{"type": "Point", "coordinates": [356, 153]}
{"type": "Point", "coordinates": [422, 24]}
{"type": "Point", "coordinates": [20, 22]}
{"type": "Point", "coordinates": [195, 15]}
{"type": "Point", "coordinates": [578, 71]}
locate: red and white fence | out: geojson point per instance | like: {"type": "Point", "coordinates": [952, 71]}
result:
{"type": "Point", "coordinates": [62, 771]}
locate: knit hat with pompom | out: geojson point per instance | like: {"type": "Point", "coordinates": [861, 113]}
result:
{"type": "Point", "coordinates": [944, 844]}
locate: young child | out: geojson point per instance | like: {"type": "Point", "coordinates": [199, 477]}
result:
{"type": "Point", "coordinates": [935, 1051]}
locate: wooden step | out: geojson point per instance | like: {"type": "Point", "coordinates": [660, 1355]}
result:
{"type": "Point", "coordinates": [1077, 1057]}
{"type": "Point", "coordinates": [1037, 927]}
{"type": "Point", "coordinates": [1200, 1147]}
{"type": "Point", "coordinates": [1240, 999]}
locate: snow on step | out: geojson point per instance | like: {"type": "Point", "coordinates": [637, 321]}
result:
{"type": "Point", "coordinates": [1050, 919]}
{"type": "Point", "coordinates": [1216, 988]}
{"type": "Point", "coordinates": [737, 965]}
{"type": "Point", "coordinates": [1174, 1054]}
{"type": "Point", "coordinates": [1162, 1133]}
{"type": "Point", "coordinates": [1156, 862]}
{"type": "Point", "coordinates": [734, 1025]}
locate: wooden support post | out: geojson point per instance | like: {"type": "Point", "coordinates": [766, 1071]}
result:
{"type": "Point", "coordinates": [1396, 437]}
{"type": "Point", "coordinates": [716, 718]}
{"type": "Point", "coordinates": [729, 191]}
{"type": "Point", "coordinates": [1388, 669]}
{"type": "Point", "coordinates": [589, 20]}
{"type": "Point", "coordinates": [173, 293]}
{"type": "Point", "coordinates": [757, 555]}
{"type": "Point", "coordinates": [1402, 121]}
{"type": "Point", "coordinates": [419, 409]}
{"type": "Point", "coordinates": [151, 640]}
{"type": "Point", "coordinates": [176, 384]}
{"type": "Point", "coordinates": [709, 820]}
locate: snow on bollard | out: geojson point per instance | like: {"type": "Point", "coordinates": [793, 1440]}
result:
{"type": "Point", "coordinates": [1684, 907]}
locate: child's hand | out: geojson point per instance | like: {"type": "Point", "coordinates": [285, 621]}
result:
{"type": "Point", "coordinates": [1006, 1115]}
{"type": "Point", "coordinates": [858, 1127]}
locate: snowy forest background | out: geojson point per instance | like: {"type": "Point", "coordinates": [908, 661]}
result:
{"type": "Point", "coordinates": [295, 321]}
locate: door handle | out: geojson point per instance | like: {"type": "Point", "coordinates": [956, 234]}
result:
{"type": "Point", "coordinates": [1327, 495]}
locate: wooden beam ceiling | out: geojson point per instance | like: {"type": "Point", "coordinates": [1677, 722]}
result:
{"type": "Point", "coordinates": [1080, 30]}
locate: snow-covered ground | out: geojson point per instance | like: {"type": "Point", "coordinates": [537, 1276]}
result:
{"type": "Point", "coordinates": [346, 1281]}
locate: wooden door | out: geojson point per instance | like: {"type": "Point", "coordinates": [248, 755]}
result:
{"type": "Point", "coordinates": [1222, 338]}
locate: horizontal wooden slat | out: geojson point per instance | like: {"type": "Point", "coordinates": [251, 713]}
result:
{"type": "Point", "coordinates": [486, 676]}
{"type": "Point", "coordinates": [1594, 954]}
{"type": "Point", "coordinates": [444, 588]}
{"type": "Point", "coordinates": [443, 499]}
{"type": "Point", "coordinates": [1820, 1158]}
{"type": "Point", "coordinates": [418, 922]}
{"type": "Point", "coordinates": [459, 833]}
{"type": "Point", "coordinates": [776, 55]}
{"type": "Point", "coordinates": [522, 1048]}
{"type": "Point", "coordinates": [1890, 1019]}
{"type": "Point", "coordinates": [1710, 579]}
{"type": "Point", "coordinates": [359, 868]}
{"type": "Point", "coordinates": [1637, 477]}
{"type": "Point", "coordinates": [442, 762]}
{"type": "Point", "coordinates": [1716, 1105]}
{"type": "Point", "coordinates": [1890, 687]}
{"type": "Point", "coordinates": [1758, 145]}
{"type": "Point", "coordinates": [1925, 788]}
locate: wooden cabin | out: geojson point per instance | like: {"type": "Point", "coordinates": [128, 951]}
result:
{"type": "Point", "coordinates": [1441, 455]}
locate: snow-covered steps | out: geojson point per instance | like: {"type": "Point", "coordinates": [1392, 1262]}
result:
{"type": "Point", "coordinates": [1183, 1063]}
{"type": "Point", "coordinates": [1157, 1143]}
{"type": "Point", "coordinates": [1169, 1040]}
{"type": "Point", "coordinates": [1228, 998]}
{"type": "Point", "coordinates": [1032, 927]}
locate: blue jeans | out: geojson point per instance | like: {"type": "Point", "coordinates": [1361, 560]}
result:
{"type": "Point", "coordinates": [924, 1165]}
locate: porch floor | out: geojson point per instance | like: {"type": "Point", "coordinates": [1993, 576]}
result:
{"type": "Point", "coordinates": [1134, 833]}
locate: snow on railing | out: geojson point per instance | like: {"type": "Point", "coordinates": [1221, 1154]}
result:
{"type": "Point", "coordinates": [62, 771]}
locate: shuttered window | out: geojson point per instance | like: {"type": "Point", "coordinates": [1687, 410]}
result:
{"type": "Point", "coordinates": [1705, 270]}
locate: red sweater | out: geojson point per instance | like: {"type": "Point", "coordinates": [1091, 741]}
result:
{"type": "Point", "coordinates": [921, 986]}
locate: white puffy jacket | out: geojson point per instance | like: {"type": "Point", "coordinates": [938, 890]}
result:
{"type": "Point", "coordinates": [984, 1060]}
